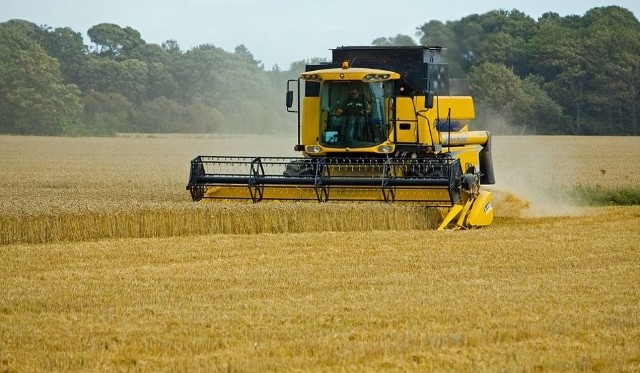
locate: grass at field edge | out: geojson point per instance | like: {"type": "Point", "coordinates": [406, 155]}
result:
{"type": "Point", "coordinates": [599, 196]}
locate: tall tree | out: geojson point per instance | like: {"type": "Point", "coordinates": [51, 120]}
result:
{"type": "Point", "coordinates": [196, 73]}
{"type": "Point", "coordinates": [557, 53]}
{"type": "Point", "coordinates": [112, 40]}
{"type": "Point", "coordinates": [399, 40]}
{"type": "Point", "coordinates": [502, 102]}
{"type": "Point", "coordinates": [613, 62]}
{"type": "Point", "coordinates": [244, 52]}
{"type": "Point", "coordinates": [498, 36]}
{"type": "Point", "coordinates": [33, 96]}
{"type": "Point", "coordinates": [128, 77]}
{"type": "Point", "coordinates": [544, 116]}
{"type": "Point", "coordinates": [68, 48]}
{"type": "Point", "coordinates": [172, 47]}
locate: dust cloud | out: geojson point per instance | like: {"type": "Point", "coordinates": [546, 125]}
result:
{"type": "Point", "coordinates": [533, 177]}
{"type": "Point", "coordinates": [257, 145]}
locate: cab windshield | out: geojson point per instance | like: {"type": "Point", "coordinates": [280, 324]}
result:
{"type": "Point", "coordinates": [353, 113]}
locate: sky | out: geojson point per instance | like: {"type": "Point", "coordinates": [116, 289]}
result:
{"type": "Point", "coordinates": [276, 32]}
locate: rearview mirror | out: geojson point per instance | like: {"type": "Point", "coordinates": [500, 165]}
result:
{"type": "Point", "coordinates": [289, 99]}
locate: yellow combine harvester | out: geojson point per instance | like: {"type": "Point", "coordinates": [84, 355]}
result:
{"type": "Point", "coordinates": [375, 124]}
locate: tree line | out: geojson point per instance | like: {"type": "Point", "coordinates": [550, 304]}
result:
{"type": "Point", "coordinates": [576, 75]}
{"type": "Point", "coordinates": [53, 84]}
{"type": "Point", "coordinates": [556, 75]}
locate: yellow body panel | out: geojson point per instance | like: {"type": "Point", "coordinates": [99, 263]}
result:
{"type": "Point", "coordinates": [454, 108]}
{"type": "Point", "coordinates": [461, 107]}
{"type": "Point", "coordinates": [482, 212]}
{"type": "Point", "coordinates": [412, 128]}
{"type": "Point", "coordinates": [310, 131]}
{"type": "Point", "coordinates": [476, 211]}
{"type": "Point", "coordinates": [406, 117]}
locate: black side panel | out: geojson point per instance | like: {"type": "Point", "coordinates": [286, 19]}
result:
{"type": "Point", "coordinates": [321, 67]}
{"type": "Point", "coordinates": [311, 89]}
{"type": "Point", "coordinates": [486, 165]}
{"type": "Point", "coordinates": [364, 56]}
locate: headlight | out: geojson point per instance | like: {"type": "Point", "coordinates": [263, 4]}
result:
{"type": "Point", "coordinates": [385, 149]}
{"type": "Point", "coordinates": [376, 77]}
{"type": "Point", "coordinates": [314, 149]}
{"type": "Point", "coordinates": [315, 77]}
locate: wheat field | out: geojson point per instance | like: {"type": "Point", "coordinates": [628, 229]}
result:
{"type": "Point", "coordinates": [107, 265]}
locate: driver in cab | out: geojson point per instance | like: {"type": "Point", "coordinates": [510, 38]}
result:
{"type": "Point", "coordinates": [355, 110]}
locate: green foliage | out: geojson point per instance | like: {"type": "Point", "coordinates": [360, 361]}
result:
{"type": "Point", "coordinates": [196, 72]}
{"type": "Point", "coordinates": [171, 47]}
{"type": "Point", "coordinates": [399, 39]}
{"type": "Point", "coordinates": [128, 77]}
{"type": "Point", "coordinates": [544, 116]}
{"type": "Point", "coordinates": [201, 118]}
{"type": "Point", "coordinates": [501, 98]}
{"type": "Point", "coordinates": [168, 116]}
{"type": "Point", "coordinates": [613, 70]}
{"type": "Point", "coordinates": [598, 196]}
{"type": "Point", "coordinates": [555, 75]}
{"type": "Point", "coordinates": [243, 52]}
{"type": "Point", "coordinates": [33, 97]}
{"type": "Point", "coordinates": [587, 68]}
{"type": "Point", "coordinates": [105, 113]}
{"type": "Point", "coordinates": [161, 82]}
{"type": "Point", "coordinates": [112, 40]}
{"type": "Point", "coordinates": [67, 47]}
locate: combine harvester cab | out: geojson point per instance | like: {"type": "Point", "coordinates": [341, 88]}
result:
{"type": "Point", "coordinates": [375, 124]}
